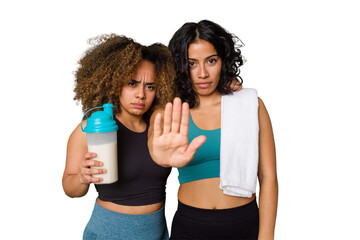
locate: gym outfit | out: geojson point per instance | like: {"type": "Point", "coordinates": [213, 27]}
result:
{"type": "Point", "coordinates": [234, 223]}
{"type": "Point", "coordinates": [141, 182]}
{"type": "Point", "coordinates": [206, 162]}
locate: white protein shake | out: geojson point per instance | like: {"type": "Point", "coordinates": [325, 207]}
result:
{"type": "Point", "coordinates": [107, 154]}
{"type": "Point", "coordinates": [101, 136]}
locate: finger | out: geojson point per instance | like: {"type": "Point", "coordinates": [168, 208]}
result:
{"type": "Point", "coordinates": [185, 115]}
{"type": "Point", "coordinates": [176, 115]}
{"type": "Point", "coordinates": [167, 118]}
{"type": "Point", "coordinates": [91, 163]}
{"type": "Point", "coordinates": [92, 171]}
{"type": "Point", "coordinates": [95, 171]}
{"type": "Point", "coordinates": [95, 180]}
{"type": "Point", "coordinates": [87, 175]}
{"type": "Point", "coordinates": [157, 125]}
{"type": "Point", "coordinates": [90, 155]}
{"type": "Point", "coordinates": [195, 145]}
{"type": "Point", "coordinates": [92, 179]}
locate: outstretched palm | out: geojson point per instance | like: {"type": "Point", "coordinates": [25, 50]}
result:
{"type": "Point", "coordinates": [170, 146]}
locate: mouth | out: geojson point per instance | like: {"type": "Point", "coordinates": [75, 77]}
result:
{"type": "Point", "coordinates": [203, 84]}
{"type": "Point", "coordinates": [138, 105]}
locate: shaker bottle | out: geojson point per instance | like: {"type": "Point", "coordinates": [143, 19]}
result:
{"type": "Point", "coordinates": [101, 135]}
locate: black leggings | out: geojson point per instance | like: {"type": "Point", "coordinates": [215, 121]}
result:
{"type": "Point", "coordinates": [233, 223]}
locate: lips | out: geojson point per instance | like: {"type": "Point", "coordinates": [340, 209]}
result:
{"type": "Point", "coordinates": [203, 84]}
{"type": "Point", "coordinates": [138, 105]}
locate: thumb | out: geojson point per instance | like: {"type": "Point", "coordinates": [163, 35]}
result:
{"type": "Point", "coordinates": [195, 145]}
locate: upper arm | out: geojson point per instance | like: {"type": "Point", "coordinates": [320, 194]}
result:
{"type": "Point", "coordinates": [76, 149]}
{"type": "Point", "coordinates": [267, 155]}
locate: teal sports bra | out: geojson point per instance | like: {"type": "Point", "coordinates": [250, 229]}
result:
{"type": "Point", "coordinates": [206, 162]}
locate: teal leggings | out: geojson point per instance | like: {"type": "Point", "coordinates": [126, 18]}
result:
{"type": "Point", "coordinates": [106, 224]}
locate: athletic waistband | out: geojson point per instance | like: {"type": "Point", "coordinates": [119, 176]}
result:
{"type": "Point", "coordinates": [221, 215]}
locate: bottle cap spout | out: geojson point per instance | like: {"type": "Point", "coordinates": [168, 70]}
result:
{"type": "Point", "coordinates": [108, 108]}
{"type": "Point", "coordinates": [101, 121]}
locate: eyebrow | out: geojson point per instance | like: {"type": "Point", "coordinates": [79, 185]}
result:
{"type": "Point", "coordinates": [148, 83]}
{"type": "Point", "coordinates": [194, 59]}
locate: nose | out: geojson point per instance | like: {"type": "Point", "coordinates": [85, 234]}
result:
{"type": "Point", "coordinates": [140, 93]}
{"type": "Point", "coordinates": [203, 73]}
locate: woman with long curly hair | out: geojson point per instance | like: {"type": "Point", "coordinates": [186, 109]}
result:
{"type": "Point", "coordinates": [136, 79]}
{"type": "Point", "coordinates": [221, 141]}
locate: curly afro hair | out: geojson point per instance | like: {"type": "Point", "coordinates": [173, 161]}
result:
{"type": "Point", "coordinates": [111, 62]}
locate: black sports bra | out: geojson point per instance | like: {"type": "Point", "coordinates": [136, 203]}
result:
{"type": "Point", "coordinates": [141, 180]}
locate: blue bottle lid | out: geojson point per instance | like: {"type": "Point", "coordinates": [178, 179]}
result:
{"type": "Point", "coordinates": [100, 121]}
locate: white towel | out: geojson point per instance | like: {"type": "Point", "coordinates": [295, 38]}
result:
{"type": "Point", "coordinates": [239, 150]}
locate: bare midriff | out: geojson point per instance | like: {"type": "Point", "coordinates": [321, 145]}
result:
{"type": "Point", "coordinates": [136, 210]}
{"type": "Point", "coordinates": [206, 194]}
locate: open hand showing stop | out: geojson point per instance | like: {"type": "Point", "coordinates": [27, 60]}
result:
{"type": "Point", "coordinates": [170, 146]}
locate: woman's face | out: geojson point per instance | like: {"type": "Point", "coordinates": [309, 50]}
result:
{"type": "Point", "coordinates": [205, 67]}
{"type": "Point", "coordinates": [137, 96]}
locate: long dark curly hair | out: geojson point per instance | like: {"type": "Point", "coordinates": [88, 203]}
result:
{"type": "Point", "coordinates": [225, 45]}
{"type": "Point", "coordinates": [111, 62]}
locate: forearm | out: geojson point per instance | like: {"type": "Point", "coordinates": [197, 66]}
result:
{"type": "Point", "coordinates": [268, 207]}
{"type": "Point", "coordinates": [73, 186]}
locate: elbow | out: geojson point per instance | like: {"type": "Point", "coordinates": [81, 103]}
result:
{"type": "Point", "coordinates": [69, 194]}
{"type": "Point", "coordinates": [268, 179]}
{"type": "Point", "coordinates": [269, 186]}
{"type": "Point", "coordinates": [72, 189]}
{"type": "Point", "coordinates": [72, 194]}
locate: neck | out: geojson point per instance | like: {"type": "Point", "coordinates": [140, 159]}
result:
{"type": "Point", "coordinates": [133, 122]}
{"type": "Point", "coordinates": [209, 100]}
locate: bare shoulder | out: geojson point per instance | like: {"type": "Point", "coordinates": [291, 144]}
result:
{"type": "Point", "coordinates": [264, 120]}
{"type": "Point", "coordinates": [262, 109]}
{"type": "Point", "coordinates": [261, 103]}
{"type": "Point", "coordinates": [78, 135]}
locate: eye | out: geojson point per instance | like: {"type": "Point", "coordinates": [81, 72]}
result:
{"type": "Point", "coordinates": [212, 60]}
{"type": "Point", "coordinates": [150, 87]}
{"type": "Point", "coordinates": [191, 64]}
{"type": "Point", "coordinates": [132, 84]}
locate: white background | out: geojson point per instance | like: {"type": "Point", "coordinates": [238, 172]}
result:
{"type": "Point", "coordinates": [303, 58]}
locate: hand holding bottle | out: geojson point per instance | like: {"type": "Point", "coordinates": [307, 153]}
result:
{"type": "Point", "coordinates": [88, 169]}
{"type": "Point", "coordinates": [101, 135]}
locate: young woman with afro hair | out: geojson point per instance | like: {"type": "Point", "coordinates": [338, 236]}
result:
{"type": "Point", "coordinates": [136, 79]}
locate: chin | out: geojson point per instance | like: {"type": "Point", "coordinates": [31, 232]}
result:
{"type": "Point", "coordinates": [205, 92]}
{"type": "Point", "coordinates": [139, 112]}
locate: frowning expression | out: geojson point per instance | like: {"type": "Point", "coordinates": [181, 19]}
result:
{"type": "Point", "coordinates": [137, 96]}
